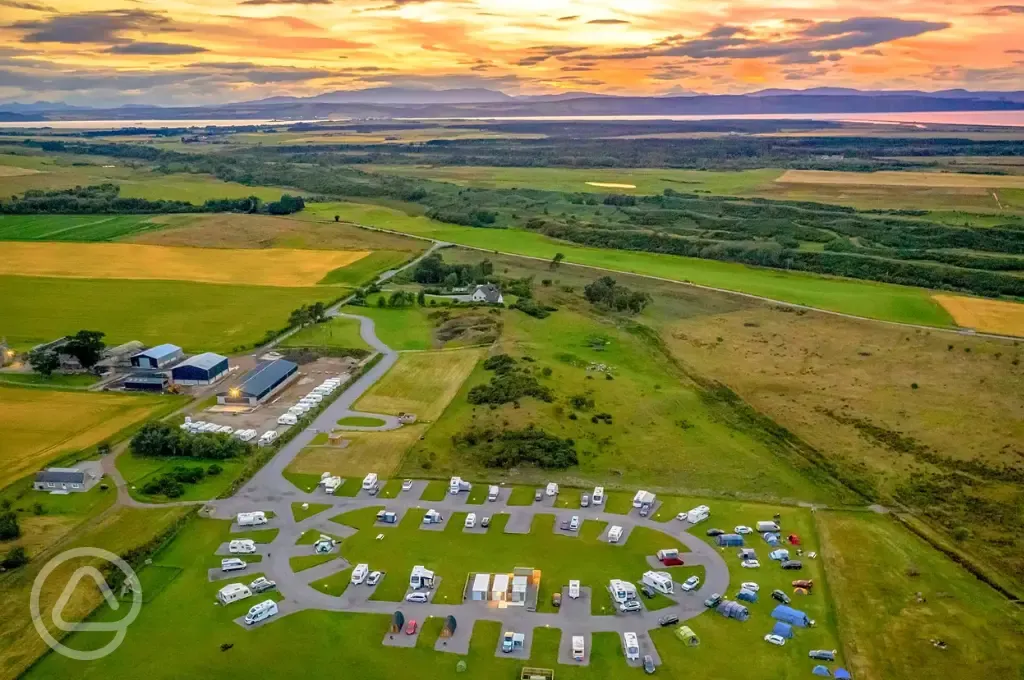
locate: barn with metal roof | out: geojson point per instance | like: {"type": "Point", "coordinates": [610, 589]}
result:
{"type": "Point", "coordinates": [202, 369]}
{"type": "Point", "coordinates": [262, 382]}
{"type": "Point", "coordinates": [157, 357]}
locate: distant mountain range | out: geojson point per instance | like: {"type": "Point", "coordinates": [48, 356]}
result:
{"type": "Point", "coordinates": [408, 102]}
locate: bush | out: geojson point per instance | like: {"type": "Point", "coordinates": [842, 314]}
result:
{"type": "Point", "coordinates": [214, 470]}
{"type": "Point", "coordinates": [9, 529]}
{"type": "Point", "coordinates": [17, 557]}
{"type": "Point", "coordinates": [510, 448]}
{"type": "Point", "coordinates": [163, 440]}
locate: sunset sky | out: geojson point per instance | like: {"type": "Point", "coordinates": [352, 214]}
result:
{"type": "Point", "coordinates": [109, 52]}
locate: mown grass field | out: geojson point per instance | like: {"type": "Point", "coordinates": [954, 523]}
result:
{"type": "Point", "coordinates": [336, 333]}
{"type": "Point", "coordinates": [137, 470]}
{"type": "Point", "coordinates": [360, 421]}
{"type": "Point", "coordinates": [41, 425]}
{"type": "Point", "coordinates": [197, 316]}
{"type": "Point", "coordinates": [404, 328]}
{"type": "Point", "coordinates": [863, 298]}
{"type": "Point", "coordinates": [55, 380]}
{"type": "Point", "coordinates": [422, 383]}
{"type": "Point", "coordinates": [281, 267]}
{"type": "Point", "coordinates": [379, 452]}
{"type": "Point", "coordinates": [74, 227]}
{"type": "Point", "coordinates": [875, 570]}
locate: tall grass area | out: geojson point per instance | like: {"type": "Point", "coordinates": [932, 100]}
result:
{"type": "Point", "coordinates": [74, 227]}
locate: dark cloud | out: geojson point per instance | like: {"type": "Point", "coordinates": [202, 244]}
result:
{"type": "Point", "coordinates": [545, 52]}
{"type": "Point", "coordinates": [155, 48]}
{"type": "Point", "coordinates": [30, 6]}
{"type": "Point", "coordinates": [286, 2]}
{"type": "Point", "coordinates": [576, 69]}
{"type": "Point", "coordinates": [92, 27]}
{"type": "Point", "coordinates": [608, 22]}
{"type": "Point", "coordinates": [1015, 51]}
{"type": "Point", "coordinates": [1002, 10]}
{"type": "Point", "coordinates": [569, 18]}
{"type": "Point", "coordinates": [874, 53]}
{"type": "Point", "coordinates": [801, 58]}
{"type": "Point", "coordinates": [826, 36]}
{"type": "Point", "coordinates": [724, 31]}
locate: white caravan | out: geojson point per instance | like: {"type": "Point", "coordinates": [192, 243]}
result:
{"type": "Point", "coordinates": [574, 589]}
{"type": "Point", "coordinates": [268, 438]}
{"type": "Point", "coordinates": [598, 497]}
{"type": "Point", "coordinates": [552, 489]}
{"type": "Point", "coordinates": [614, 534]}
{"type": "Point", "coordinates": [632, 646]}
{"type": "Point", "coordinates": [233, 592]}
{"type": "Point", "coordinates": [698, 514]}
{"type": "Point", "coordinates": [578, 651]}
{"type": "Point", "coordinates": [492, 493]}
{"type": "Point", "coordinates": [659, 580]}
{"type": "Point", "coordinates": [470, 520]}
{"type": "Point", "coordinates": [287, 419]}
{"type": "Point", "coordinates": [242, 546]}
{"type": "Point", "coordinates": [360, 573]}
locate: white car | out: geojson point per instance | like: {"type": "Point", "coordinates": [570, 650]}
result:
{"type": "Point", "coordinates": [574, 523]}
{"type": "Point", "coordinates": [750, 585]}
{"type": "Point", "coordinates": [406, 485]}
{"type": "Point", "coordinates": [775, 639]}
{"type": "Point", "coordinates": [750, 564]}
{"type": "Point", "coordinates": [691, 583]}
{"type": "Point", "coordinates": [416, 597]}
{"type": "Point", "coordinates": [743, 530]}
{"type": "Point", "coordinates": [374, 578]}
{"type": "Point", "coordinates": [681, 517]}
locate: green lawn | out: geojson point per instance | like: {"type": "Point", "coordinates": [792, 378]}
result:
{"type": "Point", "coordinates": [334, 584]}
{"type": "Point", "coordinates": [361, 421]}
{"type": "Point", "coordinates": [300, 514]}
{"type": "Point", "coordinates": [364, 271]}
{"type": "Point", "coordinates": [137, 470]}
{"type": "Point", "coordinates": [197, 316]}
{"type": "Point", "coordinates": [304, 562]}
{"type": "Point", "coordinates": [401, 329]}
{"type": "Point", "coordinates": [436, 491]}
{"type": "Point", "coordinates": [863, 298]}
{"type": "Point", "coordinates": [74, 227]}
{"type": "Point", "coordinates": [391, 489]}
{"type": "Point", "coordinates": [337, 333]}
{"type": "Point", "coordinates": [78, 380]}
{"type": "Point", "coordinates": [521, 495]}
{"type": "Point", "coordinates": [258, 535]}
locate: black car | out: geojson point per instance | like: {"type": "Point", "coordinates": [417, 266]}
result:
{"type": "Point", "coordinates": [780, 596]}
{"type": "Point", "coordinates": [669, 620]}
{"type": "Point", "coordinates": [792, 564]}
{"type": "Point", "coordinates": [713, 601]}
{"type": "Point", "coordinates": [648, 664]}
{"type": "Point", "coordinates": [647, 591]}
{"type": "Point", "coordinates": [822, 654]}
{"type": "Point", "coordinates": [714, 532]}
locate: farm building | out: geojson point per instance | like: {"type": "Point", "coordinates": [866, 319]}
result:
{"type": "Point", "coordinates": [68, 480]}
{"type": "Point", "coordinates": [157, 357]}
{"type": "Point", "coordinates": [499, 587]}
{"type": "Point", "coordinates": [202, 369]}
{"type": "Point", "coordinates": [146, 382]}
{"type": "Point", "coordinates": [120, 356]}
{"type": "Point", "coordinates": [256, 386]}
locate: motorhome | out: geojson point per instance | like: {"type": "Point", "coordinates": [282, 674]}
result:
{"type": "Point", "coordinates": [552, 489]}
{"type": "Point", "coordinates": [432, 517]}
{"type": "Point", "coordinates": [260, 612]}
{"type": "Point", "coordinates": [598, 497]}
{"type": "Point", "coordinates": [492, 493]}
{"type": "Point", "coordinates": [574, 589]}
{"type": "Point", "coordinates": [369, 481]}
{"type": "Point", "coordinates": [698, 514]}
{"type": "Point", "coordinates": [242, 546]}
{"type": "Point", "coordinates": [622, 591]}
{"type": "Point", "coordinates": [470, 520]}
{"type": "Point", "coordinates": [458, 484]}
{"type": "Point", "coordinates": [578, 650]}
{"type": "Point", "coordinates": [638, 498]}
{"type": "Point", "coordinates": [268, 438]}
{"type": "Point", "coordinates": [360, 573]}
{"type": "Point", "coordinates": [233, 592]}
{"type": "Point", "coordinates": [287, 419]}
{"type": "Point", "coordinates": [614, 534]}
{"type": "Point", "coordinates": [331, 484]}
{"type": "Point", "coordinates": [661, 581]}
{"type": "Point", "coordinates": [232, 564]}
{"type": "Point", "coordinates": [632, 645]}
{"type": "Point", "coordinates": [251, 519]}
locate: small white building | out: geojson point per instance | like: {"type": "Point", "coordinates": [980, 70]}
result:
{"type": "Point", "coordinates": [421, 577]}
{"type": "Point", "coordinates": [499, 588]}
{"type": "Point", "coordinates": [481, 587]}
{"type": "Point", "coordinates": [661, 581]}
{"type": "Point", "coordinates": [519, 585]}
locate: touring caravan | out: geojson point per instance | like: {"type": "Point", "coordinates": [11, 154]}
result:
{"type": "Point", "coordinates": [268, 438]}
{"type": "Point", "coordinates": [470, 520]}
{"type": "Point", "coordinates": [574, 589]}
{"type": "Point", "coordinates": [492, 493]}
{"type": "Point", "coordinates": [458, 484]}
{"type": "Point", "coordinates": [233, 592]}
{"type": "Point", "coordinates": [661, 581]}
{"type": "Point", "coordinates": [331, 484]}
{"type": "Point", "coordinates": [313, 397]}
{"type": "Point", "coordinates": [632, 646]}
{"type": "Point", "coordinates": [260, 612]}
{"type": "Point", "coordinates": [638, 498]}
{"type": "Point", "coordinates": [578, 651]}
{"type": "Point", "coordinates": [287, 419]}
{"type": "Point", "coordinates": [622, 591]}
{"type": "Point", "coordinates": [552, 489]}
{"type": "Point", "coordinates": [698, 514]}
{"type": "Point", "coordinates": [598, 498]}
{"type": "Point", "coordinates": [251, 519]}
{"type": "Point", "coordinates": [614, 534]}
{"type": "Point", "coordinates": [360, 573]}
{"type": "Point", "coordinates": [370, 481]}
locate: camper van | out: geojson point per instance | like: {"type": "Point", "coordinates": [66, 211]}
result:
{"type": "Point", "coordinates": [369, 481]}
{"type": "Point", "coordinates": [260, 612]}
{"type": "Point", "coordinates": [432, 517]}
{"type": "Point", "coordinates": [638, 498]}
{"type": "Point", "coordinates": [470, 520]}
{"type": "Point", "coordinates": [251, 519]}
{"type": "Point", "coordinates": [762, 527]}
{"type": "Point", "coordinates": [457, 484]}
{"type": "Point", "coordinates": [632, 646]}
{"type": "Point", "coordinates": [233, 593]}
{"type": "Point", "coordinates": [287, 419]}
{"type": "Point", "coordinates": [331, 485]}
{"type": "Point", "coordinates": [359, 573]}
{"type": "Point", "coordinates": [698, 514]}
{"type": "Point", "coordinates": [268, 438]}
{"type": "Point", "coordinates": [661, 581]}
{"type": "Point", "coordinates": [598, 497]}
{"type": "Point", "coordinates": [232, 564]}
{"type": "Point", "coordinates": [552, 489]}
{"type": "Point", "coordinates": [574, 589]}
{"type": "Point", "coordinates": [242, 546]}
{"type": "Point", "coordinates": [492, 493]}
{"type": "Point", "coordinates": [614, 534]}
{"type": "Point", "coordinates": [578, 651]}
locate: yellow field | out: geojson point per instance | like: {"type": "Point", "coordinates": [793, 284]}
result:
{"type": "Point", "coordinates": [422, 383]}
{"type": "Point", "coordinates": [39, 425]}
{"type": "Point", "coordinates": [379, 452]}
{"type": "Point", "coordinates": [896, 178]}
{"type": "Point", "coordinates": [277, 267]}
{"type": "Point", "coordinates": [14, 171]}
{"type": "Point", "coordinates": [611, 185]}
{"type": "Point", "coordinates": [989, 316]}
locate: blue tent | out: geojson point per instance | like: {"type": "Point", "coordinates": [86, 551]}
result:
{"type": "Point", "coordinates": [747, 595]}
{"type": "Point", "coordinates": [794, 617]}
{"type": "Point", "coordinates": [822, 671]}
{"type": "Point", "coordinates": [771, 539]}
{"type": "Point", "coordinates": [842, 674]}
{"type": "Point", "coordinates": [730, 540]}
{"type": "Point", "coordinates": [784, 630]}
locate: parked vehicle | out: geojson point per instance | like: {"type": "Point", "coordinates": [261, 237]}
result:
{"type": "Point", "coordinates": [632, 646]}
{"type": "Point", "coordinates": [578, 650]}
{"type": "Point", "coordinates": [416, 597]}
{"type": "Point", "coordinates": [614, 534]}
{"type": "Point", "coordinates": [262, 584]}
{"type": "Point", "coordinates": [374, 578]}
{"type": "Point", "coordinates": [822, 654]}
{"type": "Point", "coordinates": [691, 583]}
{"type": "Point", "coordinates": [647, 591]}
{"type": "Point", "coordinates": [387, 517]}
{"type": "Point", "coordinates": [552, 489]}
{"type": "Point", "coordinates": [649, 667]}
{"type": "Point", "coordinates": [743, 530]}
{"type": "Point", "coordinates": [485, 522]}
{"type": "Point", "coordinates": [492, 493]}
{"type": "Point", "coordinates": [762, 527]}
{"type": "Point", "coordinates": [233, 592]}
{"type": "Point", "coordinates": [574, 523]}
{"type": "Point", "coordinates": [574, 589]}
{"type": "Point", "coordinates": [681, 516]}
{"type": "Point", "coordinates": [714, 532]}
{"type": "Point", "coordinates": [750, 564]}
{"type": "Point", "coordinates": [232, 564]}
{"type": "Point", "coordinates": [369, 481]}
{"type": "Point", "coordinates": [556, 600]}
{"type": "Point", "coordinates": [406, 485]}
{"type": "Point", "coordinates": [410, 628]}
{"type": "Point", "coordinates": [243, 546]}
{"type": "Point", "coordinates": [260, 612]}
{"type": "Point", "coordinates": [249, 519]}
{"type": "Point", "coordinates": [598, 498]}
{"type": "Point", "coordinates": [287, 419]}
{"type": "Point", "coordinates": [775, 639]}
{"type": "Point", "coordinates": [630, 606]}
{"type": "Point", "coordinates": [645, 509]}
{"type": "Point", "coordinates": [781, 597]}
{"type": "Point", "coordinates": [538, 495]}
{"type": "Point", "coordinates": [470, 521]}
{"type": "Point", "coordinates": [669, 620]}
{"type": "Point", "coordinates": [564, 525]}
{"type": "Point", "coordinates": [268, 438]}
{"type": "Point", "coordinates": [713, 601]}
{"type": "Point", "coordinates": [360, 573]}
{"type": "Point", "coordinates": [793, 564]}
{"type": "Point", "coordinates": [584, 501]}
{"type": "Point", "coordinates": [750, 585]}
{"type": "Point", "coordinates": [698, 514]}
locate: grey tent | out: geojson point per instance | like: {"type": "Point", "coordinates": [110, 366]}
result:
{"type": "Point", "coordinates": [783, 629]}
{"type": "Point", "coordinates": [821, 671]}
{"type": "Point", "coordinates": [730, 540]}
{"type": "Point", "coordinates": [733, 610]}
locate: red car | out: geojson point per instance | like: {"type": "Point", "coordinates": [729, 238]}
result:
{"type": "Point", "coordinates": [410, 628]}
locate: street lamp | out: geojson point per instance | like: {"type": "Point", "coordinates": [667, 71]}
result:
{"type": "Point", "coordinates": [234, 392]}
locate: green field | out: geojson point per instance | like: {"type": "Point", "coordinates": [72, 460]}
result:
{"type": "Point", "coordinates": [405, 328]}
{"type": "Point", "coordinates": [365, 270]}
{"type": "Point", "coordinates": [336, 333]}
{"type": "Point", "coordinates": [137, 470]}
{"type": "Point", "coordinates": [361, 421]}
{"type": "Point", "coordinates": [74, 227]}
{"type": "Point", "coordinates": [862, 298]}
{"type": "Point", "coordinates": [199, 317]}
{"type": "Point", "coordinates": [56, 380]}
